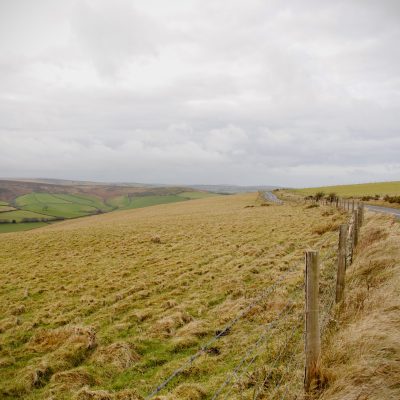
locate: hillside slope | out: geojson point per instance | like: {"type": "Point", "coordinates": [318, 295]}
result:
{"type": "Point", "coordinates": [33, 203]}
{"type": "Point", "coordinates": [109, 306]}
{"type": "Point", "coordinates": [118, 301]}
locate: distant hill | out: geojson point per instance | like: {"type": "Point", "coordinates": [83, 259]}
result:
{"type": "Point", "coordinates": [39, 201]}
{"type": "Point", "coordinates": [10, 189]}
{"type": "Point", "coordinates": [357, 190]}
{"type": "Point", "coordinates": [68, 182]}
{"type": "Point", "coordinates": [233, 188]}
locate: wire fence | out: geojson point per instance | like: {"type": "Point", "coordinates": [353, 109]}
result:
{"type": "Point", "coordinates": [252, 355]}
{"type": "Point", "coordinates": [262, 296]}
{"type": "Point", "coordinates": [235, 375]}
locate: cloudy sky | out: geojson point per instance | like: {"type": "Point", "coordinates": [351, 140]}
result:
{"type": "Point", "coordinates": [293, 93]}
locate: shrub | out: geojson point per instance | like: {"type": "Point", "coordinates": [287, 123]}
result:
{"type": "Point", "coordinates": [392, 199]}
{"type": "Point", "coordinates": [30, 220]}
{"type": "Point", "coordinates": [332, 197]}
{"type": "Point", "coordinates": [319, 195]}
{"type": "Point", "coordinates": [366, 198]}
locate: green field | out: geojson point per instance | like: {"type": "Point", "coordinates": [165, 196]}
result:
{"type": "Point", "coordinates": [61, 205]}
{"type": "Point", "coordinates": [5, 228]}
{"type": "Point", "coordinates": [87, 200]}
{"type": "Point", "coordinates": [51, 206]}
{"type": "Point", "coordinates": [358, 190]}
{"type": "Point", "coordinates": [18, 215]}
{"type": "Point", "coordinates": [125, 202]}
{"type": "Point", "coordinates": [119, 202]}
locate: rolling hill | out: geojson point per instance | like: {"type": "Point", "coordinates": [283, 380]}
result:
{"type": "Point", "coordinates": [357, 190]}
{"type": "Point", "coordinates": [46, 201]}
{"type": "Point", "coordinates": [108, 307]}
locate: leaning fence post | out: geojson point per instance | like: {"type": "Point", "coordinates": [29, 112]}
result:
{"type": "Point", "coordinates": [341, 262]}
{"type": "Point", "coordinates": [312, 336]}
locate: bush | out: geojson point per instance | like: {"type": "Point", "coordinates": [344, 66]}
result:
{"type": "Point", "coordinates": [30, 220]}
{"type": "Point", "coordinates": [319, 195]}
{"type": "Point", "coordinates": [366, 198]}
{"type": "Point", "coordinates": [392, 199]}
{"type": "Point", "coordinates": [332, 197]}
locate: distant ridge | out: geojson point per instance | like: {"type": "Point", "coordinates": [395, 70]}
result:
{"type": "Point", "coordinates": [221, 188]}
{"type": "Point", "coordinates": [233, 188]}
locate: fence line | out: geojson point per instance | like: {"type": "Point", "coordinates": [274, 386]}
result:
{"type": "Point", "coordinates": [348, 239]}
{"type": "Point", "coordinates": [328, 299]}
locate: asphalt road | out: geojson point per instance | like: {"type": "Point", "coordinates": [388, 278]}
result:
{"type": "Point", "coordinates": [384, 210]}
{"type": "Point", "coordinates": [269, 196]}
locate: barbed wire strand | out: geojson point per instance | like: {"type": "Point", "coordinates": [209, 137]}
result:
{"type": "Point", "coordinates": [288, 339]}
{"type": "Point", "coordinates": [264, 294]}
{"type": "Point", "coordinates": [296, 365]}
{"type": "Point", "coordinates": [285, 311]}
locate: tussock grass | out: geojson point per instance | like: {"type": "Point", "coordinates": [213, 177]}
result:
{"type": "Point", "coordinates": [96, 309]}
{"type": "Point", "coordinates": [361, 355]}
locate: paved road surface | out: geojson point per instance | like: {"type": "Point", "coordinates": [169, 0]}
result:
{"type": "Point", "coordinates": [385, 210]}
{"type": "Point", "coordinates": [269, 196]}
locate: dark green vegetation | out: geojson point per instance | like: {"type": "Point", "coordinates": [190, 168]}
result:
{"type": "Point", "coordinates": [23, 226]}
{"type": "Point", "coordinates": [32, 204]}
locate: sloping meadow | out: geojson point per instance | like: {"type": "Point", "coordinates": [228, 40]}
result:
{"type": "Point", "coordinates": [107, 306]}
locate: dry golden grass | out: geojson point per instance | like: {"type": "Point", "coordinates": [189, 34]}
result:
{"type": "Point", "coordinates": [362, 353]}
{"type": "Point", "coordinates": [107, 306]}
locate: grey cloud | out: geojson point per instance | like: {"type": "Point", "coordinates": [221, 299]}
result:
{"type": "Point", "coordinates": [260, 92]}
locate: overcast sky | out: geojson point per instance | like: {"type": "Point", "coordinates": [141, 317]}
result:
{"type": "Point", "coordinates": [292, 93]}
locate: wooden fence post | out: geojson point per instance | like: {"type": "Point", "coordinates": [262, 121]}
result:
{"type": "Point", "coordinates": [341, 271]}
{"type": "Point", "coordinates": [356, 228]}
{"type": "Point", "coordinates": [361, 213]}
{"type": "Point", "coordinates": [312, 336]}
{"type": "Point", "coordinates": [350, 244]}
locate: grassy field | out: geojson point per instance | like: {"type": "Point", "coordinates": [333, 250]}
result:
{"type": "Point", "coordinates": [127, 202]}
{"type": "Point", "coordinates": [6, 208]}
{"type": "Point", "coordinates": [6, 228]}
{"type": "Point", "coordinates": [52, 205]}
{"type": "Point", "coordinates": [61, 205]}
{"type": "Point", "coordinates": [118, 301]}
{"type": "Point", "coordinates": [18, 215]}
{"type": "Point", "coordinates": [359, 190]}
